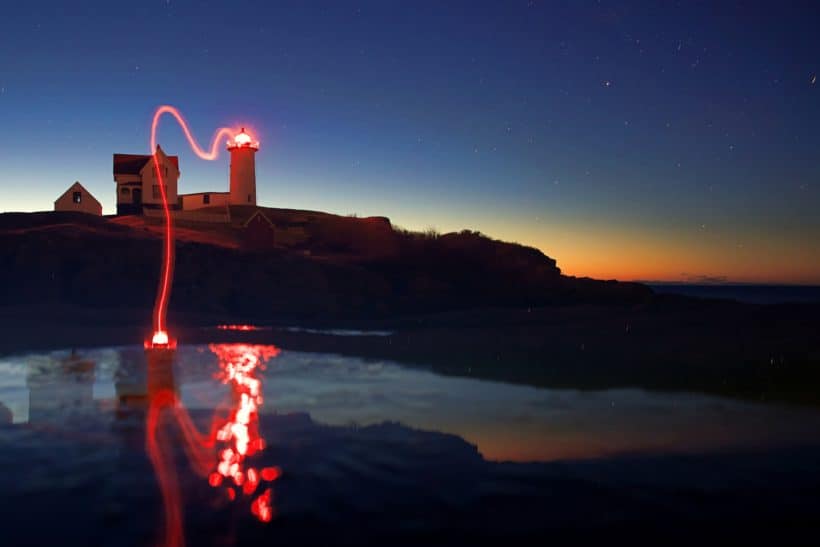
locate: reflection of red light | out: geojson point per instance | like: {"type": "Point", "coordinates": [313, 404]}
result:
{"type": "Point", "coordinates": [271, 473]}
{"type": "Point", "coordinates": [261, 506]}
{"type": "Point", "coordinates": [163, 293]}
{"type": "Point", "coordinates": [239, 433]}
{"type": "Point", "coordinates": [162, 396]}
{"type": "Point", "coordinates": [235, 439]}
{"type": "Point", "coordinates": [239, 327]}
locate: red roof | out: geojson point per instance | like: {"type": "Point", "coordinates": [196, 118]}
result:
{"type": "Point", "coordinates": [132, 164]}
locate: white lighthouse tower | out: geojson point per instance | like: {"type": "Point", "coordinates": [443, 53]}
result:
{"type": "Point", "coordinates": [243, 169]}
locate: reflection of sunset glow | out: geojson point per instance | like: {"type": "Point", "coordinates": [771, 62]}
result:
{"type": "Point", "coordinates": [239, 434]}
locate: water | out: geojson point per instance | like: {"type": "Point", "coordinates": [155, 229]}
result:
{"type": "Point", "coordinates": [750, 294]}
{"type": "Point", "coordinates": [121, 446]}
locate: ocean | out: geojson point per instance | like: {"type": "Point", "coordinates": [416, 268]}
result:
{"type": "Point", "coordinates": [752, 294]}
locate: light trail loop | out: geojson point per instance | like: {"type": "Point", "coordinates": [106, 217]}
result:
{"type": "Point", "coordinates": [160, 336]}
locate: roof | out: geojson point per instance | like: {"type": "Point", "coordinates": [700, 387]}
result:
{"type": "Point", "coordinates": [77, 186]}
{"type": "Point", "coordinates": [258, 213]}
{"type": "Point", "coordinates": [132, 164]}
{"type": "Point", "coordinates": [203, 193]}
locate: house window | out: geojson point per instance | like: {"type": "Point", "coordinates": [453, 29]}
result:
{"type": "Point", "coordinates": [156, 191]}
{"type": "Point", "coordinates": [206, 199]}
{"type": "Point", "coordinates": [78, 197]}
{"type": "Point", "coordinates": [125, 191]}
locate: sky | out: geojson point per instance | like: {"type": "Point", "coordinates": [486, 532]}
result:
{"type": "Point", "coordinates": [663, 141]}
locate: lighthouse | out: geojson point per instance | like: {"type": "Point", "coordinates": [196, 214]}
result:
{"type": "Point", "coordinates": [243, 169]}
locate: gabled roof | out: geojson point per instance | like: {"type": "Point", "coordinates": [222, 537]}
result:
{"type": "Point", "coordinates": [203, 193]}
{"type": "Point", "coordinates": [132, 164]}
{"type": "Point", "coordinates": [78, 187]}
{"type": "Point", "coordinates": [258, 213]}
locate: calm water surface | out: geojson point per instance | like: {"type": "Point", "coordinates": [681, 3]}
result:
{"type": "Point", "coordinates": [227, 444]}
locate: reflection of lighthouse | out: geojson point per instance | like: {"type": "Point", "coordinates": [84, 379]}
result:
{"type": "Point", "coordinates": [243, 169]}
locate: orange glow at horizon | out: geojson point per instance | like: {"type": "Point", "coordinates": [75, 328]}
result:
{"type": "Point", "coordinates": [601, 249]}
{"type": "Point", "coordinates": [684, 261]}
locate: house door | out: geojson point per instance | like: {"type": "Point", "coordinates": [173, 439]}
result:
{"type": "Point", "coordinates": [136, 196]}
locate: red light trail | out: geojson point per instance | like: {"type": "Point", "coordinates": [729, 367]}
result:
{"type": "Point", "coordinates": [239, 433]}
{"type": "Point", "coordinates": [160, 337]}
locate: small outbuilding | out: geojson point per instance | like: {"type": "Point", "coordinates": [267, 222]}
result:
{"type": "Point", "coordinates": [77, 198]}
{"type": "Point", "coordinates": [258, 231]}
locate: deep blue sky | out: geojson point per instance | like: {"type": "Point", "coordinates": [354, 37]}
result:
{"type": "Point", "coordinates": [633, 140]}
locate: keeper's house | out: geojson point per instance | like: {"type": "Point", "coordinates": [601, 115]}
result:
{"type": "Point", "coordinates": [138, 182]}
